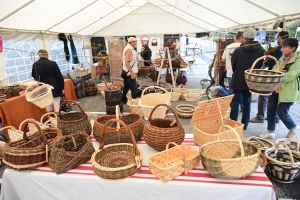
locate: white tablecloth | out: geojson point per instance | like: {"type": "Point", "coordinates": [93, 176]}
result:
{"type": "Point", "coordinates": [82, 183]}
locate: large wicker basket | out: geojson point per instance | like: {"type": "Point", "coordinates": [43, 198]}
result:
{"type": "Point", "coordinates": [158, 132]}
{"type": "Point", "coordinates": [149, 101]}
{"type": "Point", "coordinates": [174, 95]}
{"type": "Point", "coordinates": [207, 120]}
{"type": "Point", "coordinates": [284, 164]}
{"type": "Point", "coordinates": [72, 122]}
{"type": "Point", "coordinates": [71, 151]}
{"type": "Point", "coordinates": [117, 161]}
{"type": "Point", "coordinates": [263, 82]}
{"type": "Point", "coordinates": [171, 163]}
{"type": "Point", "coordinates": [41, 95]}
{"type": "Point", "coordinates": [115, 133]}
{"type": "Point", "coordinates": [229, 159]}
{"type": "Point", "coordinates": [31, 151]}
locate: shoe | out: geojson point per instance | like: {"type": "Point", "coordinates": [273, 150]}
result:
{"type": "Point", "coordinates": [277, 120]}
{"type": "Point", "coordinates": [297, 130]}
{"type": "Point", "coordinates": [245, 127]}
{"type": "Point", "coordinates": [267, 135]}
{"type": "Point", "coordinates": [256, 120]}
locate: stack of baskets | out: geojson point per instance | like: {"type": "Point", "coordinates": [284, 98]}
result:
{"type": "Point", "coordinates": [185, 111]}
{"type": "Point", "coordinates": [263, 82]}
{"type": "Point", "coordinates": [2, 98]}
{"type": "Point", "coordinates": [149, 101]}
{"type": "Point", "coordinates": [181, 90]}
{"type": "Point", "coordinates": [209, 117]}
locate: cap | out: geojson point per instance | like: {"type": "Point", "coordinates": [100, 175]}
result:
{"type": "Point", "coordinates": [132, 39]}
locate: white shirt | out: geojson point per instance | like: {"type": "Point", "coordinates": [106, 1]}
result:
{"type": "Point", "coordinates": [227, 55]}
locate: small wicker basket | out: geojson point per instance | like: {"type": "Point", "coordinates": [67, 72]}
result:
{"type": "Point", "coordinates": [41, 95]}
{"type": "Point", "coordinates": [117, 161]}
{"type": "Point", "coordinates": [294, 145]}
{"type": "Point", "coordinates": [134, 107]}
{"type": "Point", "coordinates": [174, 95]}
{"type": "Point", "coordinates": [260, 143]}
{"type": "Point", "coordinates": [185, 111]}
{"type": "Point", "coordinates": [171, 163]}
{"type": "Point", "coordinates": [102, 86]}
{"type": "Point", "coordinates": [181, 89]}
{"type": "Point", "coordinates": [2, 98]}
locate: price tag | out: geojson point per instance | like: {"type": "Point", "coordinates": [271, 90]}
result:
{"type": "Point", "coordinates": [207, 109]}
{"type": "Point", "coordinates": [138, 161]}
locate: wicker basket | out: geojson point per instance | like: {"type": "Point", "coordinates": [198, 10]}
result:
{"type": "Point", "coordinates": [119, 135]}
{"type": "Point", "coordinates": [208, 118]}
{"type": "Point", "coordinates": [113, 97]}
{"type": "Point", "coordinates": [193, 95]}
{"type": "Point", "coordinates": [41, 95]}
{"type": "Point", "coordinates": [230, 159]}
{"type": "Point", "coordinates": [149, 101]}
{"type": "Point", "coordinates": [263, 161]}
{"type": "Point", "coordinates": [2, 144]}
{"type": "Point", "coordinates": [260, 143]}
{"type": "Point", "coordinates": [174, 95]}
{"type": "Point", "coordinates": [158, 132]}
{"type": "Point", "coordinates": [51, 121]}
{"type": "Point", "coordinates": [72, 122]}
{"type": "Point", "coordinates": [90, 91]}
{"type": "Point", "coordinates": [134, 107]}
{"type": "Point", "coordinates": [171, 163]}
{"type": "Point", "coordinates": [181, 89]}
{"type": "Point", "coordinates": [13, 133]}
{"type": "Point", "coordinates": [183, 64]}
{"type": "Point", "coordinates": [31, 151]}
{"type": "Point", "coordinates": [283, 164]}
{"type": "Point", "coordinates": [144, 70]}
{"type": "Point", "coordinates": [2, 98]}
{"type": "Point", "coordinates": [263, 82]}
{"type": "Point", "coordinates": [102, 86]}
{"type": "Point", "coordinates": [71, 151]}
{"type": "Point", "coordinates": [292, 144]}
{"type": "Point", "coordinates": [7, 93]}
{"type": "Point", "coordinates": [117, 161]}
{"type": "Point", "coordinates": [185, 111]}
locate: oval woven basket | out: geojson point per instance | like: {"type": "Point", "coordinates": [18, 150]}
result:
{"type": "Point", "coordinates": [72, 122]}
{"type": "Point", "coordinates": [185, 111]}
{"type": "Point", "coordinates": [158, 132]}
{"type": "Point", "coordinates": [117, 161]}
{"type": "Point", "coordinates": [263, 82]}
{"type": "Point", "coordinates": [144, 70]}
{"type": "Point", "coordinates": [31, 151]}
{"type": "Point", "coordinates": [113, 135]}
{"type": "Point", "coordinates": [134, 107]}
{"type": "Point", "coordinates": [41, 95]}
{"type": "Point", "coordinates": [260, 143]}
{"type": "Point", "coordinates": [181, 89]}
{"type": "Point", "coordinates": [149, 101]}
{"type": "Point", "coordinates": [229, 159]}
{"type": "Point", "coordinates": [284, 164]}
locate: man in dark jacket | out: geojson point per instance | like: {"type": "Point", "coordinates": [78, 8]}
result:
{"type": "Point", "coordinates": [241, 60]}
{"type": "Point", "coordinates": [263, 100]}
{"type": "Point", "coordinates": [47, 71]}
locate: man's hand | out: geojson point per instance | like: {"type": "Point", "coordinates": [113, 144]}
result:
{"type": "Point", "coordinates": [133, 75]}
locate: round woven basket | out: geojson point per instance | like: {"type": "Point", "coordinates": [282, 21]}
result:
{"type": "Point", "coordinates": [294, 145]}
{"type": "Point", "coordinates": [260, 143]}
{"type": "Point", "coordinates": [229, 159]}
{"type": "Point", "coordinates": [117, 161]}
{"type": "Point", "coordinates": [185, 111]}
{"type": "Point", "coordinates": [41, 95]}
{"type": "Point", "coordinates": [149, 101]}
{"type": "Point", "coordinates": [158, 132]}
{"type": "Point", "coordinates": [174, 95]}
{"type": "Point", "coordinates": [284, 164]}
{"type": "Point", "coordinates": [134, 107]}
{"type": "Point", "coordinates": [144, 70]}
{"type": "Point", "coordinates": [263, 82]}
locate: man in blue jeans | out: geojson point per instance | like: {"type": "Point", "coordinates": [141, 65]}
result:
{"type": "Point", "coordinates": [241, 60]}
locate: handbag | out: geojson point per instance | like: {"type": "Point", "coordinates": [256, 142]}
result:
{"type": "Point", "coordinates": [124, 73]}
{"type": "Point", "coordinates": [154, 42]}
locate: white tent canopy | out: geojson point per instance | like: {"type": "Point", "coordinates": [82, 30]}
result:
{"type": "Point", "coordinates": [123, 17]}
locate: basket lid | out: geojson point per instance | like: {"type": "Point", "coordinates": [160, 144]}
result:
{"type": "Point", "coordinates": [208, 110]}
{"type": "Point", "coordinates": [112, 88]}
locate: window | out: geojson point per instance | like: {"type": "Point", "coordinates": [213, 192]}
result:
{"type": "Point", "coordinates": [18, 62]}
{"type": "Point", "coordinates": [83, 55]}
{"type": "Point", "coordinates": [58, 55]}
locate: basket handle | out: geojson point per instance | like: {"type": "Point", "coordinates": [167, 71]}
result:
{"type": "Point", "coordinates": [266, 56]}
{"type": "Point", "coordinates": [26, 122]}
{"type": "Point", "coordinates": [147, 89]}
{"type": "Point", "coordinates": [236, 135]}
{"type": "Point", "coordinates": [118, 115]}
{"type": "Point", "coordinates": [73, 102]}
{"type": "Point", "coordinates": [180, 86]}
{"type": "Point", "coordinates": [257, 140]}
{"type": "Point", "coordinates": [8, 127]}
{"type": "Point", "coordinates": [152, 111]}
{"type": "Point", "coordinates": [101, 147]}
{"type": "Point", "coordinates": [170, 87]}
{"type": "Point", "coordinates": [291, 134]}
{"type": "Point", "coordinates": [45, 115]}
{"type": "Point", "coordinates": [288, 149]}
{"type": "Point", "coordinates": [182, 153]}
{"type": "Point", "coordinates": [40, 83]}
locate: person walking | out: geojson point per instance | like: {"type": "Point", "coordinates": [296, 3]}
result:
{"type": "Point", "coordinates": [241, 60]}
{"type": "Point", "coordinates": [288, 91]}
{"type": "Point", "coordinates": [146, 55]}
{"type": "Point", "coordinates": [47, 71]}
{"type": "Point", "coordinates": [130, 67]}
{"type": "Point", "coordinates": [263, 100]}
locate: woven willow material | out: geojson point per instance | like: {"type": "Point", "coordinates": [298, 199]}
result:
{"type": "Point", "coordinates": [171, 163]}
{"type": "Point", "coordinates": [207, 120]}
{"type": "Point", "coordinates": [144, 70]}
{"type": "Point", "coordinates": [181, 89]}
{"type": "Point", "coordinates": [263, 82]}
{"type": "Point", "coordinates": [41, 95]}
{"type": "Point", "coordinates": [185, 111]}
{"type": "Point", "coordinates": [72, 122]}
{"type": "Point", "coordinates": [229, 159]}
{"type": "Point", "coordinates": [260, 143]}
{"type": "Point", "coordinates": [31, 151]}
{"type": "Point", "coordinates": [174, 95]}
{"type": "Point", "coordinates": [2, 144]}
{"type": "Point", "coordinates": [284, 164]}
{"type": "Point", "coordinates": [158, 132]}
{"type": "Point", "coordinates": [2, 98]}
{"type": "Point", "coordinates": [90, 91]}
{"type": "Point", "coordinates": [117, 161]}
{"type": "Point", "coordinates": [102, 86]}
{"type": "Point", "coordinates": [51, 120]}
{"type": "Point", "coordinates": [113, 97]}
{"type": "Point", "coordinates": [149, 101]}
{"type": "Point", "coordinates": [134, 107]}
{"type": "Point", "coordinates": [133, 121]}
{"type": "Point", "coordinates": [263, 161]}
{"type": "Point", "coordinates": [292, 144]}
{"type": "Point", "coordinates": [65, 155]}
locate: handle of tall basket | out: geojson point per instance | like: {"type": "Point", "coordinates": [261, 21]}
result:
{"type": "Point", "coordinates": [266, 56]}
{"type": "Point", "coordinates": [182, 153]}
{"type": "Point", "coordinates": [288, 149]}
{"type": "Point", "coordinates": [290, 135]}
{"type": "Point", "coordinates": [72, 102]}
{"type": "Point", "coordinates": [26, 123]}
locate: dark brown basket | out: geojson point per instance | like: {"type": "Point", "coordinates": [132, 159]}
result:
{"type": "Point", "coordinates": [113, 97]}
{"type": "Point", "coordinates": [159, 132]}
{"type": "Point", "coordinates": [181, 79]}
{"type": "Point", "coordinates": [133, 121]}
{"type": "Point", "coordinates": [6, 92]}
{"type": "Point", "coordinates": [71, 151]}
{"type": "Point", "coordinates": [72, 122]}
{"type": "Point", "coordinates": [90, 91]}
{"type": "Point", "coordinates": [144, 70]}
{"type": "Point", "coordinates": [32, 151]}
